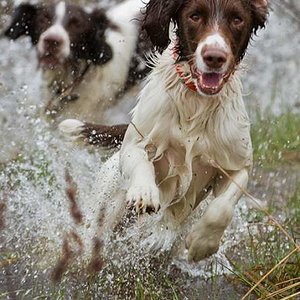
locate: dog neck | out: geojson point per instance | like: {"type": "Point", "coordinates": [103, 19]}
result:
{"type": "Point", "coordinates": [184, 72]}
{"type": "Point", "coordinates": [191, 116]}
{"type": "Point", "coordinates": [63, 84]}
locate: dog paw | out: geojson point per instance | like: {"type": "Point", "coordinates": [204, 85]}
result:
{"type": "Point", "coordinates": [71, 128]}
{"type": "Point", "coordinates": [202, 244]}
{"type": "Point", "coordinates": [144, 198]}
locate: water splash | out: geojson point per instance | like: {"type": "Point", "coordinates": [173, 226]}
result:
{"type": "Point", "coordinates": [33, 158]}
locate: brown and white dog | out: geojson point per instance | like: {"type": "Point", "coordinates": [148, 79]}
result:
{"type": "Point", "coordinates": [88, 57]}
{"type": "Point", "coordinates": [190, 124]}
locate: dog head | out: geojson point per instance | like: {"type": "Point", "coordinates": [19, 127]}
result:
{"type": "Point", "coordinates": [212, 35]}
{"type": "Point", "coordinates": [62, 32]}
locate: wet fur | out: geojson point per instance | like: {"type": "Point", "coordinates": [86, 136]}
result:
{"type": "Point", "coordinates": [108, 41]}
{"type": "Point", "coordinates": [179, 140]}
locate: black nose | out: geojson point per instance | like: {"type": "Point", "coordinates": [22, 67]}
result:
{"type": "Point", "coordinates": [214, 58]}
{"type": "Point", "coordinates": [52, 44]}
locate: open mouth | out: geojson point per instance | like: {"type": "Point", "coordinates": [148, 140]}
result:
{"type": "Point", "coordinates": [209, 83]}
{"type": "Point", "coordinates": [49, 61]}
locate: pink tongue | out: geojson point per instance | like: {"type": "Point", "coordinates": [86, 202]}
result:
{"type": "Point", "coordinates": [211, 79]}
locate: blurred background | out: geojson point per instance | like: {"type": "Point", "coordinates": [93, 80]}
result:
{"type": "Point", "coordinates": [33, 158]}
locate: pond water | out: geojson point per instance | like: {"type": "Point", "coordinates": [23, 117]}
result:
{"type": "Point", "coordinates": [34, 157]}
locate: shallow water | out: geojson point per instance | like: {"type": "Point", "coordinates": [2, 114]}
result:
{"type": "Point", "coordinates": [33, 159]}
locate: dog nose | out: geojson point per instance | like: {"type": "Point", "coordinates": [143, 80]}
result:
{"type": "Point", "coordinates": [52, 44]}
{"type": "Point", "coordinates": [214, 58]}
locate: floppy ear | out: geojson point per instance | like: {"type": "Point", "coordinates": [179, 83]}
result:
{"type": "Point", "coordinates": [99, 51]}
{"type": "Point", "coordinates": [22, 22]}
{"type": "Point", "coordinates": [260, 13]}
{"type": "Point", "coordinates": [158, 15]}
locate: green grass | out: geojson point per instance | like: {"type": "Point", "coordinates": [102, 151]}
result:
{"type": "Point", "coordinates": [276, 139]}
{"type": "Point", "coordinates": [151, 293]}
{"type": "Point", "coordinates": [276, 143]}
{"type": "Point", "coordinates": [273, 138]}
{"type": "Point", "coordinates": [267, 246]}
{"type": "Point", "coordinates": [36, 168]}
{"type": "Point", "coordinates": [154, 288]}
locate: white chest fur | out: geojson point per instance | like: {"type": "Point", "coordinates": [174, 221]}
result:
{"type": "Point", "coordinates": [189, 135]}
{"type": "Point", "coordinates": [214, 127]}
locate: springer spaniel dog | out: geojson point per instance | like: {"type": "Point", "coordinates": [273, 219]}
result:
{"type": "Point", "coordinates": [190, 133]}
{"type": "Point", "coordinates": [88, 58]}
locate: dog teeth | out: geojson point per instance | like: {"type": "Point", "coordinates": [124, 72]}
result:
{"type": "Point", "coordinates": [210, 87]}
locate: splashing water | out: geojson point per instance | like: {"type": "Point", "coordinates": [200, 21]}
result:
{"type": "Point", "coordinates": [33, 160]}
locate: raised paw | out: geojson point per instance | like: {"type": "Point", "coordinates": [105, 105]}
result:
{"type": "Point", "coordinates": [202, 244]}
{"type": "Point", "coordinates": [71, 127]}
{"type": "Point", "coordinates": [144, 198]}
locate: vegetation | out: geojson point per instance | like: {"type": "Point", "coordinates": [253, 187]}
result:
{"type": "Point", "coordinates": [270, 266]}
{"type": "Point", "coordinates": [272, 261]}
{"type": "Point", "coordinates": [276, 139]}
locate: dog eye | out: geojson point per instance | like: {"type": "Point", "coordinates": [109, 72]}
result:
{"type": "Point", "coordinates": [196, 17]}
{"type": "Point", "coordinates": [74, 22]}
{"type": "Point", "coordinates": [237, 21]}
{"type": "Point", "coordinates": [44, 20]}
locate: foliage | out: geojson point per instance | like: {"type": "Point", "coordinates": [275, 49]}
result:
{"type": "Point", "coordinates": [267, 247]}
{"type": "Point", "coordinates": [276, 139]}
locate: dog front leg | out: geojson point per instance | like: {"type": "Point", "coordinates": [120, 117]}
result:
{"type": "Point", "coordinates": [143, 192]}
{"type": "Point", "coordinates": [205, 237]}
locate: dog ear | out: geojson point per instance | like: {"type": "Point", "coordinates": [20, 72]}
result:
{"type": "Point", "coordinates": [100, 51]}
{"type": "Point", "coordinates": [260, 13]}
{"type": "Point", "coordinates": [157, 18]}
{"type": "Point", "coordinates": [99, 20]}
{"type": "Point", "coordinates": [22, 21]}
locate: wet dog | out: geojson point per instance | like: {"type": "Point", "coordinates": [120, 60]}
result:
{"type": "Point", "coordinates": [190, 133]}
{"type": "Point", "coordinates": [88, 58]}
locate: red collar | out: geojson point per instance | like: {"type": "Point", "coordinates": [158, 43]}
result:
{"type": "Point", "coordinates": [185, 77]}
